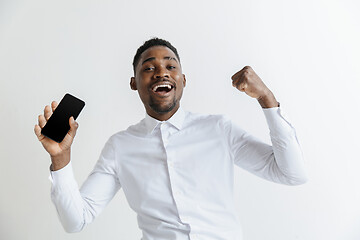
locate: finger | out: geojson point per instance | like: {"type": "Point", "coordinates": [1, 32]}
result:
{"type": "Point", "coordinates": [54, 105]}
{"type": "Point", "coordinates": [67, 141]}
{"type": "Point", "coordinates": [242, 86]}
{"type": "Point", "coordinates": [47, 112]}
{"type": "Point", "coordinates": [37, 131]}
{"type": "Point", "coordinates": [239, 73]}
{"type": "Point", "coordinates": [42, 121]}
{"type": "Point", "coordinates": [73, 126]}
{"type": "Point", "coordinates": [238, 80]}
{"type": "Point", "coordinates": [236, 75]}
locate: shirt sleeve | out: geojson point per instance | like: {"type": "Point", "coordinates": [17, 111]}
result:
{"type": "Point", "coordinates": [282, 162]}
{"type": "Point", "coordinates": [75, 207]}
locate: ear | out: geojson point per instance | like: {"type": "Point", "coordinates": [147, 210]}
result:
{"type": "Point", "coordinates": [184, 81]}
{"type": "Point", "coordinates": [133, 84]}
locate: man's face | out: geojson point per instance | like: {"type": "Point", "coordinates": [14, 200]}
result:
{"type": "Point", "coordinates": [159, 82]}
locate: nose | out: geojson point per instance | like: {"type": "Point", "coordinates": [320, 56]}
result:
{"type": "Point", "coordinates": [161, 73]}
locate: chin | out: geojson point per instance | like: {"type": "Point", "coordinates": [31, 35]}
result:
{"type": "Point", "coordinates": [161, 109]}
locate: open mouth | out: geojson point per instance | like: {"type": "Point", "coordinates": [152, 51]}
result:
{"type": "Point", "coordinates": [162, 88]}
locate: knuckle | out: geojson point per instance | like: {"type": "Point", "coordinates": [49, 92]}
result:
{"type": "Point", "coordinates": [248, 69]}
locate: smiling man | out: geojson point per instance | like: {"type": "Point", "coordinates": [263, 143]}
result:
{"type": "Point", "coordinates": [175, 167]}
{"type": "Point", "coordinates": [158, 80]}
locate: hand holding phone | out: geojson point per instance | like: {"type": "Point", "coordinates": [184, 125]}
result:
{"type": "Point", "coordinates": [56, 128]}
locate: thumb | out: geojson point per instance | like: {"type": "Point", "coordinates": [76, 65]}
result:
{"type": "Point", "coordinates": [243, 86]}
{"type": "Point", "coordinates": [73, 126]}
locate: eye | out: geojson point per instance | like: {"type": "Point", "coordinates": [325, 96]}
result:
{"type": "Point", "coordinates": [171, 67]}
{"type": "Point", "coordinates": [148, 69]}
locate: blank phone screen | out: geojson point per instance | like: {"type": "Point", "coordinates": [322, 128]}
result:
{"type": "Point", "coordinates": [58, 126]}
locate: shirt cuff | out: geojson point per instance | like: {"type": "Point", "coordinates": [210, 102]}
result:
{"type": "Point", "coordinates": [62, 176]}
{"type": "Point", "coordinates": [277, 120]}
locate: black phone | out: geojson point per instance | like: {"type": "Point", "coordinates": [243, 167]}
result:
{"type": "Point", "coordinates": [58, 126]}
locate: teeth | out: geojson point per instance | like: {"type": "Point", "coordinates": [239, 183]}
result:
{"type": "Point", "coordinates": [162, 85]}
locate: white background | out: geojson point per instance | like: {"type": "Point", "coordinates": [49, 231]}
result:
{"type": "Point", "coordinates": [307, 52]}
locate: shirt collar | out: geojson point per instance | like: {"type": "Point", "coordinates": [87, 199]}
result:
{"type": "Point", "coordinates": [176, 120]}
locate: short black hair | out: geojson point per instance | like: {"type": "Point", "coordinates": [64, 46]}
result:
{"type": "Point", "coordinates": [152, 43]}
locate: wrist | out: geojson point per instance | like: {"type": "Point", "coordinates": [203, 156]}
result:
{"type": "Point", "coordinates": [268, 100]}
{"type": "Point", "coordinates": [60, 160]}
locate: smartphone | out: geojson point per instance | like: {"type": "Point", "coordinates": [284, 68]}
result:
{"type": "Point", "coordinates": [58, 126]}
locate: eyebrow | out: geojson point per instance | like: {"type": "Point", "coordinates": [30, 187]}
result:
{"type": "Point", "coordinates": [152, 58]}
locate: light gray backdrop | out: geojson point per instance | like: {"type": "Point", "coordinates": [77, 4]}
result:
{"type": "Point", "coordinates": [307, 52]}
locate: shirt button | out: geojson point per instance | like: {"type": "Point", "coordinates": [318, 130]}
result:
{"type": "Point", "coordinates": [177, 192]}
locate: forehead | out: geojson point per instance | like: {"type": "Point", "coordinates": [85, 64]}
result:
{"type": "Point", "coordinates": [157, 52]}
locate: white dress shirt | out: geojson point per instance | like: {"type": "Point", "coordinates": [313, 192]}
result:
{"type": "Point", "coordinates": [177, 175]}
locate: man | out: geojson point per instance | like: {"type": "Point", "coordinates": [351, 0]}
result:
{"type": "Point", "coordinates": [175, 167]}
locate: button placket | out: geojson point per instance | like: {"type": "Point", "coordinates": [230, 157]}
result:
{"type": "Point", "coordinates": [165, 134]}
{"type": "Point", "coordinates": [177, 194]}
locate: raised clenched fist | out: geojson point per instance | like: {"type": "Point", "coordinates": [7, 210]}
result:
{"type": "Point", "coordinates": [246, 80]}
